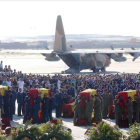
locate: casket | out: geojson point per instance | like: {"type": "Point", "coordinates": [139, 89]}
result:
{"type": "Point", "coordinates": [131, 93]}
{"type": "Point", "coordinates": [125, 95]}
{"type": "Point", "coordinates": [87, 93]}
{"type": "Point", "coordinates": [2, 91]}
{"type": "Point", "coordinates": [68, 110]}
{"type": "Point", "coordinates": [33, 92]}
{"type": "Point", "coordinates": [43, 91]}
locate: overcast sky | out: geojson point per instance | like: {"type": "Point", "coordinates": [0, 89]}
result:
{"type": "Point", "coordinates": [32, 18]}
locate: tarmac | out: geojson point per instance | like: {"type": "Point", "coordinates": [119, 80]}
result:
{"type": "Point", "coordinates": [37, 64]}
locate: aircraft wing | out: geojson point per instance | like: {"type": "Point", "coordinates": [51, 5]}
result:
{"type": "Point", "coordinates": [75, 51]}
{"type": "Point", "coordinates": [104, 51]}
{"type": "Point", "coordinates": [27, 51]}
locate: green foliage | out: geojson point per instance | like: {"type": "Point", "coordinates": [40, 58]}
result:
{"type": "Point", "coordinates": [52, 128]}
{"type": "Point", "coordinates": [134, 131]}
{"type": "Point", "coordinates": [27, 128]}
{"type": "Point", "coordinates": [104, 130]}
{"type": "Point", "coordinates": [2, 137]}
{"type": "Point", "coordinates": [39, 132]}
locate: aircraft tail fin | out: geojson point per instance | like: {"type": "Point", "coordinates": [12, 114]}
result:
{"type": "Point", "coordinates": [60, 39]}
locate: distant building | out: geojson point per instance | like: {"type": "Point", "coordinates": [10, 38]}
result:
{"type": "Point", "coordinates": [13, 45]}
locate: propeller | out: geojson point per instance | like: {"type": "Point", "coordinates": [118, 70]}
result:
{"type": "Point", "coordinates": [135, 55]}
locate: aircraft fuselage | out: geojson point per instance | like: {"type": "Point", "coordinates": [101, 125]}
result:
{"type": "Point", "coordinates": [82, 61]}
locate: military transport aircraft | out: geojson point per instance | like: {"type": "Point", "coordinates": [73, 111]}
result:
{"type": "Point", "coordinates": [78, 60]}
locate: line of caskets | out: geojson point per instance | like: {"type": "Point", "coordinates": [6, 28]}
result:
{"type": "Point", "coordinates": [68, 109]}
{"type": "Point", "coordinates": [32, 93]}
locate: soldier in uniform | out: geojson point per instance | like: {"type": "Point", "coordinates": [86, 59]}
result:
{"type": "Point", "coordinates": [61, 101]}
{"type": "Point", "coordinates": [27, 108]}
{"type": "Point", "coordinates": [36, 107]}
{"type": "Point", "coordinates": [6, 106]}
{"type": "Point", "coordinates": [136, 104]}
{"type": "Point", "coordinates": [105, 107]}
{"type": "Point", "coordinates": [118, 110]}
{"type": "Point", "coordinates": [11, 99]}
{"type": "Point", "coordinates": [102, 104]}
{"type": "Point", "coordinates": [20, 101]}
{"type": "Point", "coordinates": [45, 104]}
{"type": "Point", "coordinates": [57, 103]}
{"type": "Point", "coordinates": [77, 110]}
{"type": "Point", "coordinates": [65, 98]}
{"type": "Point", "coordinates": [51, 106]}
{"type": "Point", "coordinates": [15, 97]}
{"type": "Point", "coordinates": [129, 106]}
{"type": "Point", "coordinates": [89, 109]}
{"type": "Point", "coordinates": [110, 99]}
{"type": "Point", "coordinates": [97, 109]}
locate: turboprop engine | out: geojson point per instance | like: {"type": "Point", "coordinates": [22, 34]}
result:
{"type": "Point", "coordinates": [135, 55]}
{"type": "Point", "coordinates": [118, 57]}
{"type": "Point", "coordinates": [51, 57]}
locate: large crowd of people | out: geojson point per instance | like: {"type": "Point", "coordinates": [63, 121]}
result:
{"type": "Point", "coordinates": [63, 88]}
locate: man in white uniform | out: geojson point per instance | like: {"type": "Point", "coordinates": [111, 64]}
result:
{"type": "Point", "coordinates": [20, 84]}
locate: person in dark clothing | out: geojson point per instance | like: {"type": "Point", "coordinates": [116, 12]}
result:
{"type": "Point", "coordinates": [102, 104]}
{"type": "Point", "coordinates": [61, 101]}
{"type": "Point", "coordinates": [24, 95]}
{"type": "Point", "coordinates": [57, 103]}
{"type": "Point", "coordinates": [1, 100]}
{"type": "Point", "coordinates": [27, 108]}
{"type": "Point", "coordinates": [14, 92]}
{"type": "Point", "coordinates": [20, 101]}
{"type": "Point", "coordinates": [65, 98]}
{"type": "Point", "coordinates": [36, 107]}
{"type": "Point", "coordinates": [136, 104]}
{"type": "Point", "coordinates": [45, 106]}
{"type": "Point", "coordinates": [71, 91]}
{"type": "Point", "coordinates": [110, 99]}
{"type": "Point", "coordinates": [12, 100]}
{"type": "Point", "coordinates": [77, 109]}
{"type": "Point", "coordinates": [89, 109]}
{"type": "Point", "coordinates": [97, 109]}
{"type": "Point", "coordinates": [105, 107]}
{"type": "Point", "coordinates": [129, 106]}
{"type": "Point", "coordinates": [51, 104]}
{"type": "Point", "coordinates": [6, 104]}
{"type": "Point", "coordinates": [118, 110]}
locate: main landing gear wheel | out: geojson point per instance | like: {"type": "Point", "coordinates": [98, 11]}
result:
{"type": "Point", "coordinates": [103, 69]}
{"type": "Point", "coordinates": [94, 69]}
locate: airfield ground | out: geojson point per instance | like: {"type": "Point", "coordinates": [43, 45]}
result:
{"type": "Point", "coordinates": [38, 64]}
